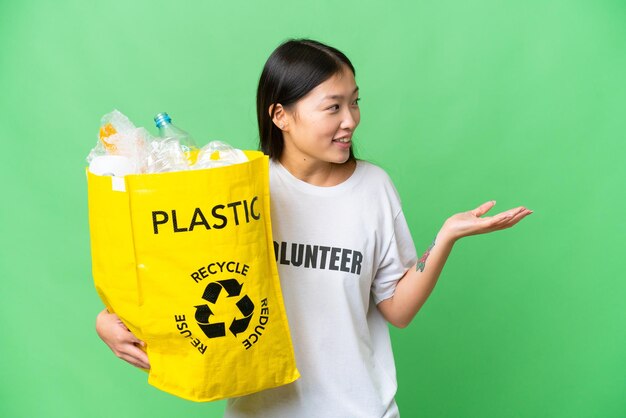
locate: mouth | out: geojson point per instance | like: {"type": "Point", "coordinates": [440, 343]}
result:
{"type": "Point", "coordinates": [345, 140]}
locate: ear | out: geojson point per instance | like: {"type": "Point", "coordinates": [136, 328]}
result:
{"type": "Point", "coordinates": [280, 116]}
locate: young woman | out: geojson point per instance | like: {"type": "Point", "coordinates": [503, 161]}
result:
{"type": "Point", "coordinates": [367, 274]}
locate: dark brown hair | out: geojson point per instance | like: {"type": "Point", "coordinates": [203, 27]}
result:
{"type": "Point", "coordinates": [295, 68]}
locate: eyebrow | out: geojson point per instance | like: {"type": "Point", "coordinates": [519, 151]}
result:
{"type": "Point", "coordinates": [339, 96]}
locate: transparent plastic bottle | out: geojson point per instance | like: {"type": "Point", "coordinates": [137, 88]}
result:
{"type": "Point", "coordinates": [167, 130]}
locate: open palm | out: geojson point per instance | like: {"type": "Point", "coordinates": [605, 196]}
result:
{"type": "Point", "coordinates": [471, 223]}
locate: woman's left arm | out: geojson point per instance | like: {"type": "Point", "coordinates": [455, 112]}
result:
{"type": "Point", "coordinates": [418, 282]}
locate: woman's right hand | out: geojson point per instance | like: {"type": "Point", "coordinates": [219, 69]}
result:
{"type": "Point", "coordinates": [120, 340]}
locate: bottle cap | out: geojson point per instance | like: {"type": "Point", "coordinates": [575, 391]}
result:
{"type": "Point", "coordinates": [161, 119]}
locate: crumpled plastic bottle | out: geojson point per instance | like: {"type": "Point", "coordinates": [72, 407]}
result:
{"type": "Point", "coordinates": [167, 130]}
{"type": "Point", "coordinates": [166, 155]}
{"type": "Point", "coordinates": [218, 154]}
{"type": "Point", "coordinates": [119, 137]}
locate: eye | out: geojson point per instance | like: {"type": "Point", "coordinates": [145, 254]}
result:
{"type": "Point", "coordinates": [356, 102]}
{"type": "Point", "coordinates": [334, 107]}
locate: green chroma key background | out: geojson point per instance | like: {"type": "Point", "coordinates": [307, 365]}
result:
{"type": "Point", "coordinates": [522, 102]}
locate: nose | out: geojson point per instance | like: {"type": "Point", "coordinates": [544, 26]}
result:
{"type": "Point", "coordinates": [350, 118]}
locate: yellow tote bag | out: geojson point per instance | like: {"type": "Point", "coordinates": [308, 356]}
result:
{"type": "Point", "coordinates": [186, 260]}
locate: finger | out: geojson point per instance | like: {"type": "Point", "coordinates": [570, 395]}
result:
{"type": "Point", "coordinates": [484, 208]}
{"type": "Point", "coordinates": [514, 219]}
{"type": "Point", "coordinates": [519, 216]}
{"type": "Point", "coordinates": [121, 324]}
{"type": "Point", "coordinates": [131, 338]}
{"type": "Point", "coordinates": [518, 213]}
{"type": "Point", "coordinates": [501, 220]}
{"type": "Point", "coordinates": [135, 356]}
{"type": "Point", "coordinates": [124, 335]}
{"type": "Point", "coordinates": [509, 214]}
{"type": "Point", "coordinates": [135, 361]}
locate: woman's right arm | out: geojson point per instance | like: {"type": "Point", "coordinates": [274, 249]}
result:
{"type": "Point", "coordinates": [120, 340]}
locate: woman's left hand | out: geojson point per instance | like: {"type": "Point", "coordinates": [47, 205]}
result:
{"type": "Point", "coordinates": [470, 223]}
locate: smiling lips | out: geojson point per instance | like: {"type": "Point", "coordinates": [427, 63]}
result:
{"type": "Point", "coordinates": [343, 142]}
{"type": "Point", "coordinates": [346, 140]}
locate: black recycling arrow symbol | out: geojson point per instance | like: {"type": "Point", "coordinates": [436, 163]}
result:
{"type": "Point", "coordinates": [246, 307]}
{"type": "Point", "coordinates": [211, 292]}
{"type": "Point", "coordinates": [213, 289]}
{"type": "Point", "coordinates": [232, 287]}
{"type": "Point", "coordinates": [203, 312]}
{"type": "Point", "coordinates": [213, 330]}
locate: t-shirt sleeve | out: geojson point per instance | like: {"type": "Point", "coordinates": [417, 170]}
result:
{"type": "Point", "coordinates": [396, 259]}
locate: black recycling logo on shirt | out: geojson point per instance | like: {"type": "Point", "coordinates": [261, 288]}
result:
{"type": "Point", "coordinates": [218, 293]}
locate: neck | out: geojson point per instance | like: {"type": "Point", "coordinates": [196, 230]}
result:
{"type": "Point", "coordinates": [318, 173]}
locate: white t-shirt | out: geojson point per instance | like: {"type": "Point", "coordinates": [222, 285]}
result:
{"type": "Point", "coordinates": [340, 251]}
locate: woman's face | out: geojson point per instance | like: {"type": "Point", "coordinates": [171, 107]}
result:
{"type": "Point", "coordinates": [319, 127]}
